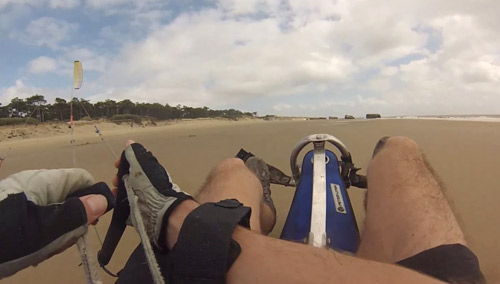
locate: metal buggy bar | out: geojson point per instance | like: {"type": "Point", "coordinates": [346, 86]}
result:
{"type": "Point", "coordinates": [317, 234]}
{"type": "Point", "coordinates": [319, 142]}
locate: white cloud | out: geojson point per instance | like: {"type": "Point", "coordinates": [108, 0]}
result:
{"type": "Point", "coordinates": [381, 53]}
{"type": "Point", "coordinates": [18, 90]}
{"type": "Point", "coordinates": [236, 7]}
{"type": "Point", "coordinates": [105, 3]}
{"type": "Point", "coordinates": [47, 31]}
{"type": "Point", "coordinates": [63, 64]}
{"type": "Point", "coordinates": [403, 57]}
{"type": "Point", "coordinates": [4, 3]}
{"type": "Point", "coordinates": [42, 64]}
{"type": "Point", "coordinates": [203, 57]}
{"type": "Point", "coordinates": [91, 60]}
{"type": "Point", "coordinates": [63, 4]}
{"type": "Point", "coordinates": [123, 6]}
{"type": "Point", "coordinates": [9, 19]}
{"type": "Point", "coordinates": [149, 20]}
{"type": "Point", "coordinates": [461, 76]}
{"type": "Point", "coordinates": [282, 107]}
{"type": "Point", "coordinates": [21, 90]}
{"type": "Point", "coordinates": [54, 4]}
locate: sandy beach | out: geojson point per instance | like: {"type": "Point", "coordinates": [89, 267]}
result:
{"type": "Point", "coordinates": [465, 154]}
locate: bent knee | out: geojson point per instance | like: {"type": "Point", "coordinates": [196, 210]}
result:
{"type": "Point", "coordinates": [395, 151]}
{"type": "Point", "coordinates": [402, 145]}
{"type": "Point", "coordinates": [228, 165]}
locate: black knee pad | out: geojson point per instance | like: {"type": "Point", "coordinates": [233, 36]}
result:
{"type": "Point", "coordinates": [205, 251]}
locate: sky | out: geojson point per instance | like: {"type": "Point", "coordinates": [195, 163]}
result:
{"type": "Point", "coordinates": [283, 57]}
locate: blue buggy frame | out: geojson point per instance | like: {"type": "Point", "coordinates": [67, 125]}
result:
{"type": "Point", "coordinates": [321, 213]}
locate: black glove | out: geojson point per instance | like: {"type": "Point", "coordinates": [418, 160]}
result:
{"type": "Point", "coordinates": [156, 195]}
{"type": "Point", "coordinates": [41, 214]}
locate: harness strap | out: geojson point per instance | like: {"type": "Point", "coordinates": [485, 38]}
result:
{"type": "Point", "coordinates": [205, 251]}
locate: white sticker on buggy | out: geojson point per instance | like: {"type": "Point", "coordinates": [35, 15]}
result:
{"type": "Point", "coordinates": [338, 199]}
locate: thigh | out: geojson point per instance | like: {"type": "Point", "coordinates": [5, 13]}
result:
{"type": "Point", "coordinates": [407, 211]}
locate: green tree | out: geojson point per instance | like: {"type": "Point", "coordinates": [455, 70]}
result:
{"type": "Point", "coordinates": [60, 109]}
{"type": "Point", "coordinates": [112, 107]}
{"type": "Point", "coordinates": [126, 107]}
{"type": "Point", "coordinates": [4, 111]}
{"type": "Point", "coordinates": [87, 109]}
{"type": "Point", "coordinates": [17, 107]}
{"type": "Point", "coordinates": [36, 106]}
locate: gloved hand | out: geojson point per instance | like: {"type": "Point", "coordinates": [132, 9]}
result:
{"type": "Point", "coordinates": [43, 212]}
{"type": "Point", "coordinates": [156, 195]}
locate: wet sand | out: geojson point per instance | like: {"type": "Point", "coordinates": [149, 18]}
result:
{"type": "Point", "coordinates": [464, 154]}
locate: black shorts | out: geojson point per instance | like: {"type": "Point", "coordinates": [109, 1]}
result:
{"type": "Point", "coordinates": [450, 263]}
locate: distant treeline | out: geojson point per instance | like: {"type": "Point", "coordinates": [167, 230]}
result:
{"type": "Point", "coordinates": [37, 107]}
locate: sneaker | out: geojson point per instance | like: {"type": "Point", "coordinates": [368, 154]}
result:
{"type": "Point", "coordinates": [260, 169]}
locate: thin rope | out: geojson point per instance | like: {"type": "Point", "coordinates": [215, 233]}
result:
{"type": "Point", "coordinates": [4, 157]}
{"type": "Point", "coordinates": [98, 131]}
{"type": "Point", "coordinates": [97, 233]}
{"type": "Point", "coordinates": [138, 223]}
{"type": "Point", "coordinates": [136, 217]}
{"type": "Point", "coordinates": [90, 267]}
{"type": "Point", "coordinates": [27, 118]}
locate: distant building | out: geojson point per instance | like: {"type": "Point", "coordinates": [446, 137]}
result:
{"type": "Point", "coordinates": [373, 115]}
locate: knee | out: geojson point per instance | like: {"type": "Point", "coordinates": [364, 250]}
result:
{"type": "Point", "coordinates": [229, 164]}
{"type": "Point", "coordinates": [402, 145]}
{"type": "Point", "coordinates": [397, 160]}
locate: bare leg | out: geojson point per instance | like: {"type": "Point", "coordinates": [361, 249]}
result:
{"type": "Point", "coordinates": [232, 179]}
{"type": "Point", "coordinates": [407, 212]}
{"type": "Point", "coordinates": [268, 260]}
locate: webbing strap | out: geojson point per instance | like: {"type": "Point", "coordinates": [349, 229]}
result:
{"type": "Point", "coordinates": [205, 250]}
